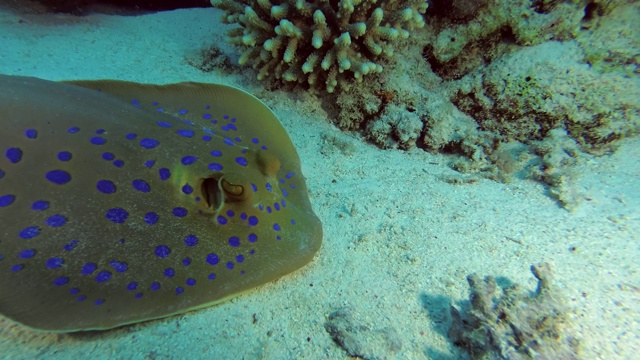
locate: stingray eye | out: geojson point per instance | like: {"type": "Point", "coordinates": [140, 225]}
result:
{"type": "Point", "coordinates": [232, 189]}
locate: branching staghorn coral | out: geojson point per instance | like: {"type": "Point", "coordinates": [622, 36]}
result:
{"type": "Point", "coordinates": [319, 42]}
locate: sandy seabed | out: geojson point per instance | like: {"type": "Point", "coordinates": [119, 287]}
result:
{"type": "Point", "coordinates": [399, 242]}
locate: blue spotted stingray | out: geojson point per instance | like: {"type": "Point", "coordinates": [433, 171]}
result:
{"type": "Point", "coordinates": [123, 202]}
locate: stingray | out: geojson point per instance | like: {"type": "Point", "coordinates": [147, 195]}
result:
{"type": "Point", "coordinates": [123, 202]}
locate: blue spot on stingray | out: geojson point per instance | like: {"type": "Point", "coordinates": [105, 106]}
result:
{"type": "Point", "coordinates": [229, 142]}
{"type": "Point", "coordinates": [62, 280]}
{"type": "Point", "coordinates": [151, 218]}
{"type": "Point", "coordinates": [155, 286]}
{"type": "Point", "coordinates": [191, 282]}
{"type": "Point", "coordinates": [241, 160]}
{"type": "Point", "coordinates": [6, 200]}
{"type": "Point", "coordinates": [243, 216]}
{"type": "Point", "coordinates": [162, 251]}
{"type": "Point", "coordinates": [117, 215]}
{"type": "Point", "coordinates": [187, 189]}
{"type": "Point", "coordinates": [149, 163]}
{"type": "Point", "coordinates": [213, 259]}
{"type": "Point", "coordinates": [106, 186]}
{"type": "Point", "coordinates": [108, 156]}
{"type": "Point", "coordinates": [206, 116]}
{"type": "Point", "coordinates": [169, 272]}
{"type": "Point", "coordinates": [239, 258]}
{"type": "Point", "coordinates": [255, 140]}
{"type": "Point", "coordinates": [99, 302]}
{"type": "Point", "coordinates": [254, 187]}
{"type": "Point", "coordinates": [14, 155]}
{"type": "Point", "coordinates": [276, 227]}
{"type": "Point", "coordinates": [54, 262]}
{"type": "Point", "coordinates": [221, 220]}
{"type": "Point", "coordinates": [269, 187]}
{"type": "Point", "coordinates": [100, 131]}
{"type": "Point", "coordinates": [277, 206]}
{"type": "Point", "coordinates": [285, 193]}
{"type": "Point", "coordinates": [214, 167]}
{"type": "Point", "coordinates": [211, 276]}
{"type": "Point", "coordinates": [191, 240]}
{"type": "Point", "coordinates": [30, 232]}
{"type": "Point", "coordinates": [253, 221]}
{"type": "Point", "coordinates": [118, 163]}
{"type": "Point", "coordinates": [237, 139]}
{"type": "Point", "coordinates": [31, 133]}
{"type": "Point", "coordinates": [64, 156]}
{"type": "Point", "coordinates": [135, 102]}
{"type": "Point", "coordinates": [58, 177]}
{"type": "Point", "coordinates": [89, 268]}
{"type": "Point", "coordinates": [27, 254]}
{"type": "Point", "coordinates": [97, 140]}
{"type": "Point", "coordinates": [74, 291]}
{"type": "Point", "coordinates": [82, 297]}
{"type": "Point", "coordinates": [269, 209]}
{"type": "Point", "coordinates": [131, 136]}
{"type": "Point", "coordinates": [293, 222]}
{"type": "Point", "coordinates": [103, 276]}
{"type": "Point", "coordinates": [252, 238]}
{"type": "Point", "coordinates": [188, 160]}
{"type": "Point", "coordinates": [164, 124]}
{"type": "Point", "coordinates": [141, 185]}
{"type": "Point", "coordinates": [56, 220]}
{"type": "Point", "coordinates": [164, 174]}
{"type": "Point", "coordinates": [17, 267]}
{"type": "Point", "coordinates": [289, 175]}
{"type": "Point", "coordinates": [229, 265]}
{"type": "Point", "coordinates": [216, 153]}
{"type": "Point", "coordinates": [186, 261]}
{"type": "Point", "coordinates": [261, 207]}
{"type": "Point", "coordinates": [234, 241]}
{"type": "Point", "coordinates": [206, 138]}
{"type": "Point", "coordinates": [179, 290]}
{"type": "Point", "coordinates": [183, 111]}
{"type": "Point", "coordinates": [40, 205]}
{"type": "Point", "coordinates": [132, 286]}
{"type": "Point", "coordinates": [179, 212]}
{"type": "Point", "coordinates": [119, 266]}
{"type": "Point", "coordinates": [139, 295]}
{"type": "Point", "coordinates": [71, 245]}
{"type": "Point", "coordinates": [230, 213]}
{"type": "Point", "coordinates": [263, 147]}
{"type": "Point", "coordinates": [149, 143]}
{"type": "Point", "coordinates": [73, 130]}
{"type": "Point", "coordinates": [186, 133]}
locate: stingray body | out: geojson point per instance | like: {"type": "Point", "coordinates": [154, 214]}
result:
{"type": "Point", "coordinates": [123, 202]}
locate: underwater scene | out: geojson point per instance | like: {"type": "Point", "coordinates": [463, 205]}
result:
{"type": "Point", "coordinates": [320, 179]}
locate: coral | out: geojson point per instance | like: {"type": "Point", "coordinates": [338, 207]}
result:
{"type": "Point", "coordinates": [514, 325]}
{"type": "Point", "coordinates": [325, 44]}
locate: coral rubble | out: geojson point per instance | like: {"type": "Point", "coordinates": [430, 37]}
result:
{"type": "Point", "coordinates": [514, 325]}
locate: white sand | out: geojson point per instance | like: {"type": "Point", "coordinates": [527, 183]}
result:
{"type": "Point", "coordinates": [398, 240]}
